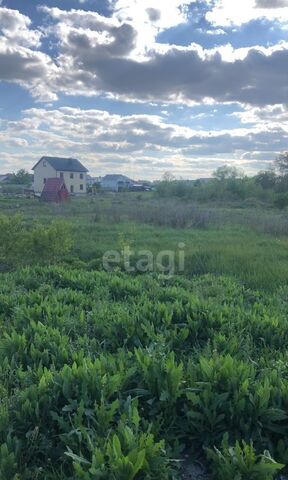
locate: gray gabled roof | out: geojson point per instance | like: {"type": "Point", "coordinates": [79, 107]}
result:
{"type": "Point", "coordinates": [63, 164]}
{"type": "Point", "coordinates": [116, 178]}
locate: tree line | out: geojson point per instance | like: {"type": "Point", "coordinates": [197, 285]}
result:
{"type": "Point", "coordinates": [229, 183]}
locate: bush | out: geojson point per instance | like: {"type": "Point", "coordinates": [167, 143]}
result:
{"type": "Point", "coordinates": [22, 244]}
{"type": "Point", "coordinates": [281, 200]}
{"type": "Point", "coordinates": [241, 462]}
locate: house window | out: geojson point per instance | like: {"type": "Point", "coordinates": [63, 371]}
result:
{"type": "Point", "coordinates": [81, 186]}
{"type": "Point", "coordinates": [71, 175]}
{"type": "Point", "coordinates": [81, 176]}
{"type": "Point", "coordinates": [71, 188]}
{"type": "Point", "coordinates": [61, 175]}
{"type": "Point", "coordinates": [44, 163]}
{"type": "Point", "coordinates": [44, 180]}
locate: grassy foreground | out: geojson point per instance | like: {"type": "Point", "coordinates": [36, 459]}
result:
{"type": "Point", "coordinates": [104, 376]}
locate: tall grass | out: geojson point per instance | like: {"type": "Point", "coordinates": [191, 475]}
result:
{"type": "Point", "coordinates": [248, 243]}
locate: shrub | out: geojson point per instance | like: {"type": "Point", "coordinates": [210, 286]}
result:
{"type": "Point", "coordinates": [22, 244]}
{"type": "Point", "coordinates": [127, 455]}
{"type": "Point", "coordinates": [281, 200]}
{"type": "Point", "coordinates": [241, 462]}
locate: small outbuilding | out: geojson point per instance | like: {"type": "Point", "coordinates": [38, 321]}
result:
{"type": "Point", "coordinates": [54, 190]}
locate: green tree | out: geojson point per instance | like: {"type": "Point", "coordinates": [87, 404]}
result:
{"type": "Point", "coordinates": [226, 172]}
{"type": "Point", "coordinates": [168, 177]}
{"type": "Point", "coordinates": [281, 163]}
{"type": "Point", "coordinates": [22, 177]}
{"type": "Point", "coordinates": [267, 179]}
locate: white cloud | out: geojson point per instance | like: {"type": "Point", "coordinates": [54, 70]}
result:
{"type": "Point", "coordinates": [12, 141]}
{"type": "Point", "coordinates": [119, 57]}
{"type": "Point", "coordinates": [109, 142]}
{"type": "Point", "coordinates": [31, 69]}
{"type": "Point", "coordinates": [16, 28]}
{"type": "Point", "coordinates": [99, 55]}
{"type": "Point", "coordinates": [276, 115]}
{"type": "Point", "coordinates": [21, 61]}
{"type": "Point", "coordinates": [149, 18]}
{"type": "Point", "coordinates": [226, 13]}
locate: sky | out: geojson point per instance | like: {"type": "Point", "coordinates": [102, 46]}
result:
{"type": "Point", "coordinates": [144, 87]}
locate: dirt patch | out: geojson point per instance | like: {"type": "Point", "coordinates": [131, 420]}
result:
{"type": "Point", "coordinates": [193, 470]}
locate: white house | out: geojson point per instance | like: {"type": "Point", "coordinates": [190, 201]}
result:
{"type": "Point", "coordinates": [116, 183]}
{"type": "Point", "coordinates": [69, 169]}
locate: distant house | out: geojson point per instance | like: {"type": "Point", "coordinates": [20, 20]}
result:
{"type": "Point", "coordinates": [6, 178]}
{"type": "Point", "coordinates": [70, 170]}
{"type": "Point", "coordinates": [54, 191]}
{"type": "Point", "coordinates": [116, 183]}
{"type": "Point", "coordinates": [90, 181]}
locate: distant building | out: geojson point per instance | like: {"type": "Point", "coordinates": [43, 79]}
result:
{"type": "Point", "coordinates": [69, 170]}
{"type": "Point", "coordinates": [54, 191]}
{"type": "Point", "coordinates": [90, 181]}
{"type": "Point", "coordinates": [139, 187]}
{"type": "Point", "coordinates": [6, 178]}
{"type": "Point", "coordinates": [116, 183]}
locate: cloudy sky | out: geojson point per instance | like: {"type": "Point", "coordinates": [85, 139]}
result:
{"type": "Point", "coordinates": [143, 86]}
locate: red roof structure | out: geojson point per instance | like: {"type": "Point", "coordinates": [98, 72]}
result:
{"type": "Point", "coordinates": [54, 190]}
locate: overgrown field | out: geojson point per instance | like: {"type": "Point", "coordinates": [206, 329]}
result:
{"type": "Point", "coordinates": [104, 376]}
{"type": "Point", "coordinates": [117, 376]}
{"type": "Point", "coordinates": [248, 242]}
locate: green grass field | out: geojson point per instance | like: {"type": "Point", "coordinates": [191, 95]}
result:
{"type": "Point", "coordinates": [230, 241]}
{"type": "Point", "coordinates": [119, 376]}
